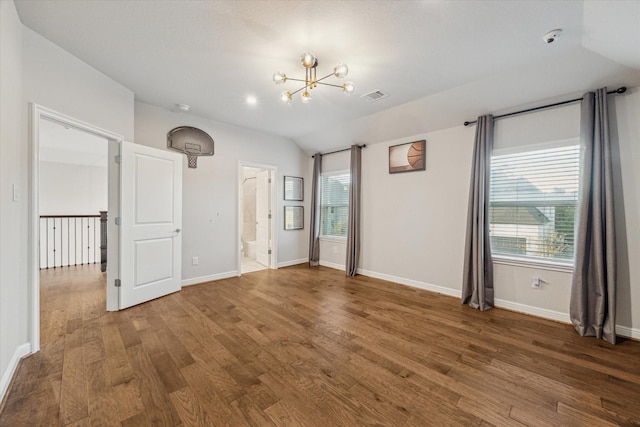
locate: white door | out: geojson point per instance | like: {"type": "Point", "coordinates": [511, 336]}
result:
{"type": "Point", "coordinates": [263, 213]}
{"type": "Point", "coordinates": [151, 219]}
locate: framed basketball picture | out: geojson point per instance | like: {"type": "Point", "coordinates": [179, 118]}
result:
{"type": "Point", "coordinates": [407, 157]}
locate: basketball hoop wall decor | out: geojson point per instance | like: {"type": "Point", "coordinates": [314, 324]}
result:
{"type": "Point", "coordinates": [408, 157]}
{"type": "Point", "coordinates": [191, 141]}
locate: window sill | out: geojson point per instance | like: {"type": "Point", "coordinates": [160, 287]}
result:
{"type": "Point", "coordinates": [334, 239]}
{"type": "Point", "coordinates": [533, 263]}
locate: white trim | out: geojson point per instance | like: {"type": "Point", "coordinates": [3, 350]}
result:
{"type": "Point", "coordinates": [532, 263]}
{"type": "Point", "coordinates": [334, 239]}
{"type": "Point", "coordinates": [558, 316]}
{"type": "Point", "coordinates": [336, 172]}
{"type": "Point", "coordinates": [625, 331]}
{"type": "Point", "coordinates": [7, 376]}
{"type": "Point", "coordinates": [560, 143]}
{"type": "Point", "coordinates": [293, 262]}
{"type": "Point", "coordinates": [413, 283]}
{"type": "Point", "coordinates": [273, 203]}
{"type": "Point", "coordinates": [332, 265]}
{"type": "Point", "coordinates": [209, 278]}
{"type": "Point", "coordinates": [543, 313]}
{"type": "Point", "coordinates": [38, 112]}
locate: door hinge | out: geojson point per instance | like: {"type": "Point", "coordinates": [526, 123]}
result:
{"type": "Point", "coordinates": [118, 159]}
{"type": "Point", "coordinates": [269, 216]}
{"type": "Point", "coordinates": [118, 283]}
{"type": "Point", "coordinates": [269, 180]}
{"type": "Point", "coordinates": [118, 222]}
{"type": "Point", "coordinates": [269, 252]}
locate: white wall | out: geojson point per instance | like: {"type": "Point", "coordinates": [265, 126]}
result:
{"type": "Point", "coordinates": [55, 79]}
{"type": "Point", "coordinates": [626, 139]}
{"type": "Point", "coordinates": [413, 224]}
{"type": "Point", "coordinates": [68, 189]}
{"type": "Point", "coordinates": [13, 227]}
{"type": "Point", "coordinates": [210, 192]}
{"type": "Point", "coordinates": [32, 69]}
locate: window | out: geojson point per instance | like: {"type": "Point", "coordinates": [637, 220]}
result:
{"type": "Point", "coordinates": [533, 199]}
{"type": "Point", "coordinates": [334, 204]}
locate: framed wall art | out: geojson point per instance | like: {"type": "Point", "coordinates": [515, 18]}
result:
{"type": "Point", "coordinates": [408, 157]}
{"type": "Point", "coordinates": [293, 188]}
{"type": "Point", "coordinates": [293, 217]}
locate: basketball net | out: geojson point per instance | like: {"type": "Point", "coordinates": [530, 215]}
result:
{"type": "Point", "coordinates": [193, 161]}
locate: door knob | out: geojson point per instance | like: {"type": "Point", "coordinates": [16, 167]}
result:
{"type": "Point", "coordinates": [177, 230]}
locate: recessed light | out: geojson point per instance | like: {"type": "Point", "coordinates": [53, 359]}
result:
{"type": "Point", "coordinates": [252, 100]}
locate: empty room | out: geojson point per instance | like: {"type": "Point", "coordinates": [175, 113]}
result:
{"type": "Point", "coordinates": [319, 213]}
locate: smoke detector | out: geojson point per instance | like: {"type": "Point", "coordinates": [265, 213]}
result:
{"type": "Point", "coordinates": [551, 36]}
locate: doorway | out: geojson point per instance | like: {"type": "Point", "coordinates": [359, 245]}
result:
{"type": "Point", "coordinates": [256, 217]}
{"type": "Point", "coordinates": [144, 247]}
{"type": "Point", "coordinates": [73, 193]}
{"type": "Point", "coordinates": [44, 122]}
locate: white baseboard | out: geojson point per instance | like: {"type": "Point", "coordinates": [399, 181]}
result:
{"type": "Point", "coordinates": [332, 265]}
{"type": "Point", "coordinates": [412, 283]}
{"type": "Point", "coordinates": [292, 262]}
{"type": "Point", "coordinates": [544, 313]}
{"type": "Point", "coordinates": [558, 316]}
{"type": "Point", "coordinates": [628, 332]}
{"type": "Point", "coordinates": [7, 376]}
{"type": "Point", "coordinates": [210, 278]}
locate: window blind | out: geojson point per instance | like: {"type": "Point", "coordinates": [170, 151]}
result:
{"type": "Point", "coordinates": [533, 198]}
{"type": "Point", "coordinates": [334, 201]}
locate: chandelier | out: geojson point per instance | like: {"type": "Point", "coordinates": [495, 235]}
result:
{"type": "Point", "coordinates": [311, 81]}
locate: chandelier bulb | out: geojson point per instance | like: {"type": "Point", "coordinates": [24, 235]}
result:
{"type": "Point", "coordinates": [340, 70]}
{"type": "Point", "coordinates": [279, 77]}
{"type": "Point", "coordinates": [308, 60]}
{"type": "Point", "coordinates": [285, 97]}
{"type": "Point", "coordinates": [348, 88]}
{"type": "Point", "coordinates": [306, 97]}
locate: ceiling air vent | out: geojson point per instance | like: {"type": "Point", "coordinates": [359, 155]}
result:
{"type": "Point", "coordinates": [375, 95]}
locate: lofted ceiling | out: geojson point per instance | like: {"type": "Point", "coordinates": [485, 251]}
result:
{"type": "Point", "coordinates": [451, 60]}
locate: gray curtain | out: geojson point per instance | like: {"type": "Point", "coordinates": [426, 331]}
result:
{"type": "Point", "coordinates": [477, 280]}
{"type": "Point", "coordinates": [353, 230]}
{"type": "Point", "coordinates": [314, 222]}
{"type": "Point", "coordinates": [593, 289]}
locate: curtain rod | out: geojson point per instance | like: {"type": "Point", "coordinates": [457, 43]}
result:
{"type": "Point", "coordinates": [340, 151]}
{"type": "Point", "coordinates": [557, 104]}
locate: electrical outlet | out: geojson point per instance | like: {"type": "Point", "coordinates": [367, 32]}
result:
{"type": "Point", "coordinates": [536, 283]}
{"type": "Point", "coordinates": [195, 260]}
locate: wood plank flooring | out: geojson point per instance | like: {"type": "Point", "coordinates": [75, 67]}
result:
{"type": "Point", "coordinates": [310, 347]}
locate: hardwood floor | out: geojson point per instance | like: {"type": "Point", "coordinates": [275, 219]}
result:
{"type": "Point", "coordinates": [301, 346]}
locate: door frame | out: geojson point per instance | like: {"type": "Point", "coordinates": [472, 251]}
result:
{"type": "Point", "coordinates": [37, 113]}
{"type": "Point", "coordinates": [273, 203]}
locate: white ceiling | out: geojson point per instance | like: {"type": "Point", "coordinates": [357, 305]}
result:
{"type": "Point", "coordinates": [453, 59]}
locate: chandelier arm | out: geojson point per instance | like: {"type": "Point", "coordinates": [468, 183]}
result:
{"type": "Point", "coordinates": [329, 84]}
{"type": "Point", "coordinates": [296, 80]}
{"type": "Point", "coordinates": [293, 93]}
{"type": "Point", "coordinates": [321, 79]}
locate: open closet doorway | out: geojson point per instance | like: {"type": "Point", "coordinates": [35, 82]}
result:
{"type": "Point", "coordinates": [256, 217]}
